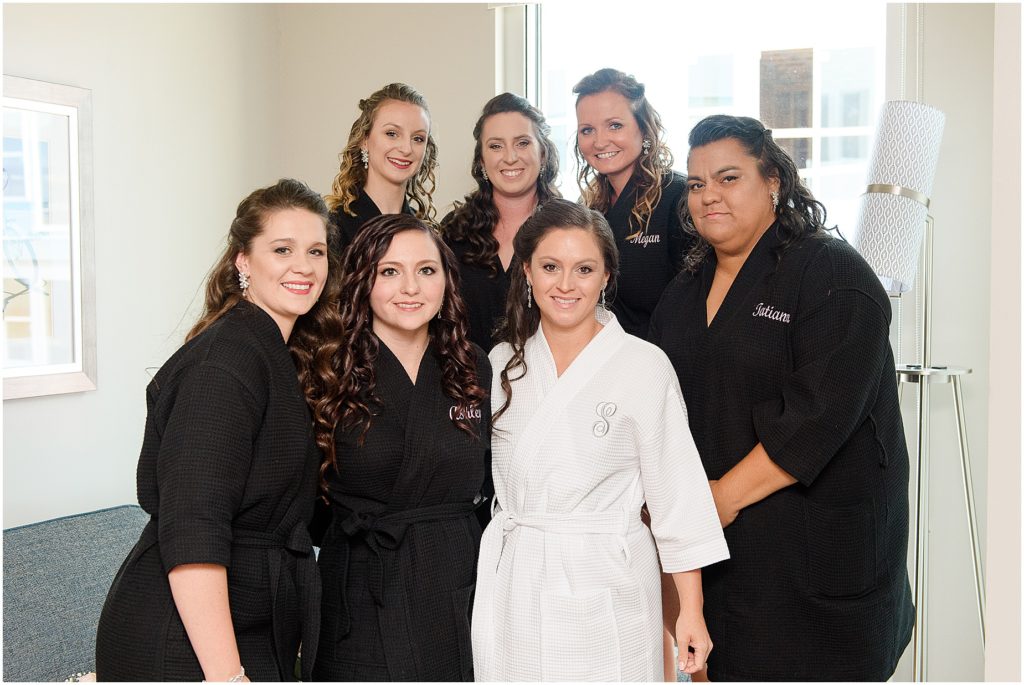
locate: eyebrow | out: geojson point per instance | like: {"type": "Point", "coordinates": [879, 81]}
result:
{"type": "Point", "coordinates": [518, 136]}
{"type": "Point", "coordinates": [696, 177]}
{"type": "Point", "coordinates": [399, 126]}
{"type": "Point", "coordinates": [582, 261]}
{"type": "Point", "coordinates": [419, 263]}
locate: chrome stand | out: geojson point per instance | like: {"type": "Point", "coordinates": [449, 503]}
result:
{"type": "Point", "coordinates": [924, 375]}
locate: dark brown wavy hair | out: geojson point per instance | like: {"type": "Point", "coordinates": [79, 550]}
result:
{"type": "Point", "coordinates": [351, 403]}
{"type": "Point", "coordinates": [351, 174]}
{"type": "Point", "coordinates": [474, 220]}
{"type": "Point", "coordinates": [521, 321]}
{"type": "Point", "coordinates": [650, 167]}
{"type": "Point", "coordinates": [316, 333]}
{"type": "Point", "coordinates": [798, 215]}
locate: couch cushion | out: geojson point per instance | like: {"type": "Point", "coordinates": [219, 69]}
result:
{"type": "Point", "coordinates": [56, 577]}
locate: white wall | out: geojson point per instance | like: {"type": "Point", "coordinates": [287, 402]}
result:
{"type": "Point", "coordinates": [961, 83]}
{"type": "Point", "coordinates": [179, 129]}
{"type": "Point", "coordinates": [1002, 650]}
{"type": "Point", "coordinates": [333, 55]}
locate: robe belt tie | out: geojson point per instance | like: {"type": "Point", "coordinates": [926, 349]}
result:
{"type": "Point", "coordinates": [383, 533]}
{"type": "Point", "coordinates": [306, 593]}
{"type": "Point", "coordinates": [613, 523]}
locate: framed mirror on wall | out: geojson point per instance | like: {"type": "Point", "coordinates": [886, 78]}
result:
{"type": "Point", "coordinates": [49, 333]}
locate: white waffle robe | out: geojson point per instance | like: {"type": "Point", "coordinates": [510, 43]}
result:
{"type": "Point", "coordinates": [568, 584]}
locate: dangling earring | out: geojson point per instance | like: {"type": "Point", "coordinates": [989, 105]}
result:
{"type": "Point", "coordinates": [439, 309]}
{"type": "Point", "coordinates": [647, 145]}
{"type": "Point", "coordinates": [543, 167]}
{"type": "Point", "coordinates": [775, 200]}
{"type": "Point", "coordinates": [365, 156]}
{"type": "Point", "coordinates": [484, 173]}
{"type": "Point", "coordinates": [243, 281]}
{"type": "Point", "coordinates": [529, 295]}
{"type": "Point", "coordinates": [604, 304]}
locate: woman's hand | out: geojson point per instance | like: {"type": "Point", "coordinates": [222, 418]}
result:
{"type": "Point", "coordinates": [727, 512]}
{"type": "Point", "coordinates": [692, 633]}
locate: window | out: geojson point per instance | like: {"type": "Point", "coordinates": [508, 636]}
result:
{"type": "Point", "coordinates": [812, 72]}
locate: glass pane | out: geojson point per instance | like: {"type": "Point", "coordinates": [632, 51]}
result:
{"type": "Point", "coordinates": [846, 85]}
{"type": "Point", "coordinates": [786, 85]}
{"type": "Point", "coordinates": [38, 314]}
{"type": "Point", "coordinates": [797, 148]}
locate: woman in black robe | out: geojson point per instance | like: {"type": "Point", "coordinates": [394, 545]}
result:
{"type": "Point", "coordinates": [515, 164]}
{"type": "Point", "coordinates": [780, 335]}
{"type": "Point", "coordinates": [388, 164]}
{"type": "Point", "coordinates": [222, 584]}
{"type": "Point", "coordinates": [406, 436]}
{"type": "Point", "coordinates": [625, 172]}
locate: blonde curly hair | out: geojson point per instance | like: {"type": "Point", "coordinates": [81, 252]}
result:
{"type": "Point", "coordinates": [652, 165]}
{"type": "Point", "coordinates": [351, 174]}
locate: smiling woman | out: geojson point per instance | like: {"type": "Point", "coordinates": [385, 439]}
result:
{"type": "Point", "coordinates": [228, 466]}
{"type": "Point", "coordinates": [388, 163]}
{"type": "Point", "coordinates": [589, 425]}
{"type": "Point", "coordinates": [406, 439]}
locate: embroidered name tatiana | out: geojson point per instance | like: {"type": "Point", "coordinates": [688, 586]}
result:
{"type": "Point", "coordinates": [769, 312]}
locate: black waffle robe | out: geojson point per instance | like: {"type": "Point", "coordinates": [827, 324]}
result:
{"type": "Point", "coordinates": [228, 473]}
{"type": "Point", "coordinates": [348, 225]}
{"type": "Point", "coordinates": [649, 255]}
{"type": "Point", "coordinates": [399, 558]}
{"type": "Point", "coordinates": [798, 359]}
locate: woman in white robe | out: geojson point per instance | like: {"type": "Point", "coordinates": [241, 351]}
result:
{"type": "Point", "coordinates": [589, 425]}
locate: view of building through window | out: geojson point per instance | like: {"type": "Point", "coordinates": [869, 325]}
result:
{"type": "Point", "coordinates": [812, 72]}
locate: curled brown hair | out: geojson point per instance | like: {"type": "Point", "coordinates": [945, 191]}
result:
{"type": "Point", "coordinates": [650, 167]}
{"type": "Point", "coordinates": [316, 333]}
{"type": "Point", "coordinates": [521, 321]}
{"type": "Point", "coordinates": [351, 174]}
{"type": "Point", "coordinates": [474, 220]}
{"type": "Point", "coordinates": [350, 403]}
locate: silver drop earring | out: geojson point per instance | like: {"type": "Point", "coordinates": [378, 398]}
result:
{"type": "Point", "coordinates": [604, 304]}
{"type": "Point", "coordinates": [647, 145]}
{"type": "Point", "coordinates": [365, 157]}
{"type": "Point", "coordinates": [439, 309]}
{"type": "Point", "coordinates": [484, 173]}
{"type": "Point", "coordinates": [529, 296]}
{"type": "Point", "coordinates": [243, 281]}
{"type": "Point", "coordinates": [775, 200]}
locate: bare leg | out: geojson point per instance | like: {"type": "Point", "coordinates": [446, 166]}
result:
{"type": "Point", "coordinates": [669, 615]}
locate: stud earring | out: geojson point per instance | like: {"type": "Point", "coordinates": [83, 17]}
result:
{"type": "Point", "coordinates": [529, 296]}
{"type": "Point", "coordinates": [647, 145]}
{"type": "Point", "coordinates": [243, 281]}
{"type": "Point", "coordinates": [604, 304]}
{"type": "Point", "coordinates": [365, 157]}
{"type": "Point", "coordinates": [484, 173]}
{"type": "Point", "coordinates": [775, 200]}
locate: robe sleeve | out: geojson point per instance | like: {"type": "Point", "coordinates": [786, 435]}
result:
{"type": "Point", "coordinates": [203, 464]}
{"type": "Point", "coordinates": [683, 515]}
{"type": "Point", "coordinates": [839, 347]}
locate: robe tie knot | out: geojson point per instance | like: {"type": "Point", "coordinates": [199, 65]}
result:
{"type": "Point", "coordinates": [383, 533]}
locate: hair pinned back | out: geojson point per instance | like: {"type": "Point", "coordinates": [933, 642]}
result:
{"type": "Point", "coordinates": [798, 214]}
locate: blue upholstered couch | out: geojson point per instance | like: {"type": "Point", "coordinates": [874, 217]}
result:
{"type": "Point", "coordinates": [56, 576]}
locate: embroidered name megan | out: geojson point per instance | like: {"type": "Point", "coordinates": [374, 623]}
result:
{"type": "Point", "coordinates": [769, 312]}
{"type": "Point", "coordinates": [641, 239]}
{"type": "Point", "coordinates": [457, 412]}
